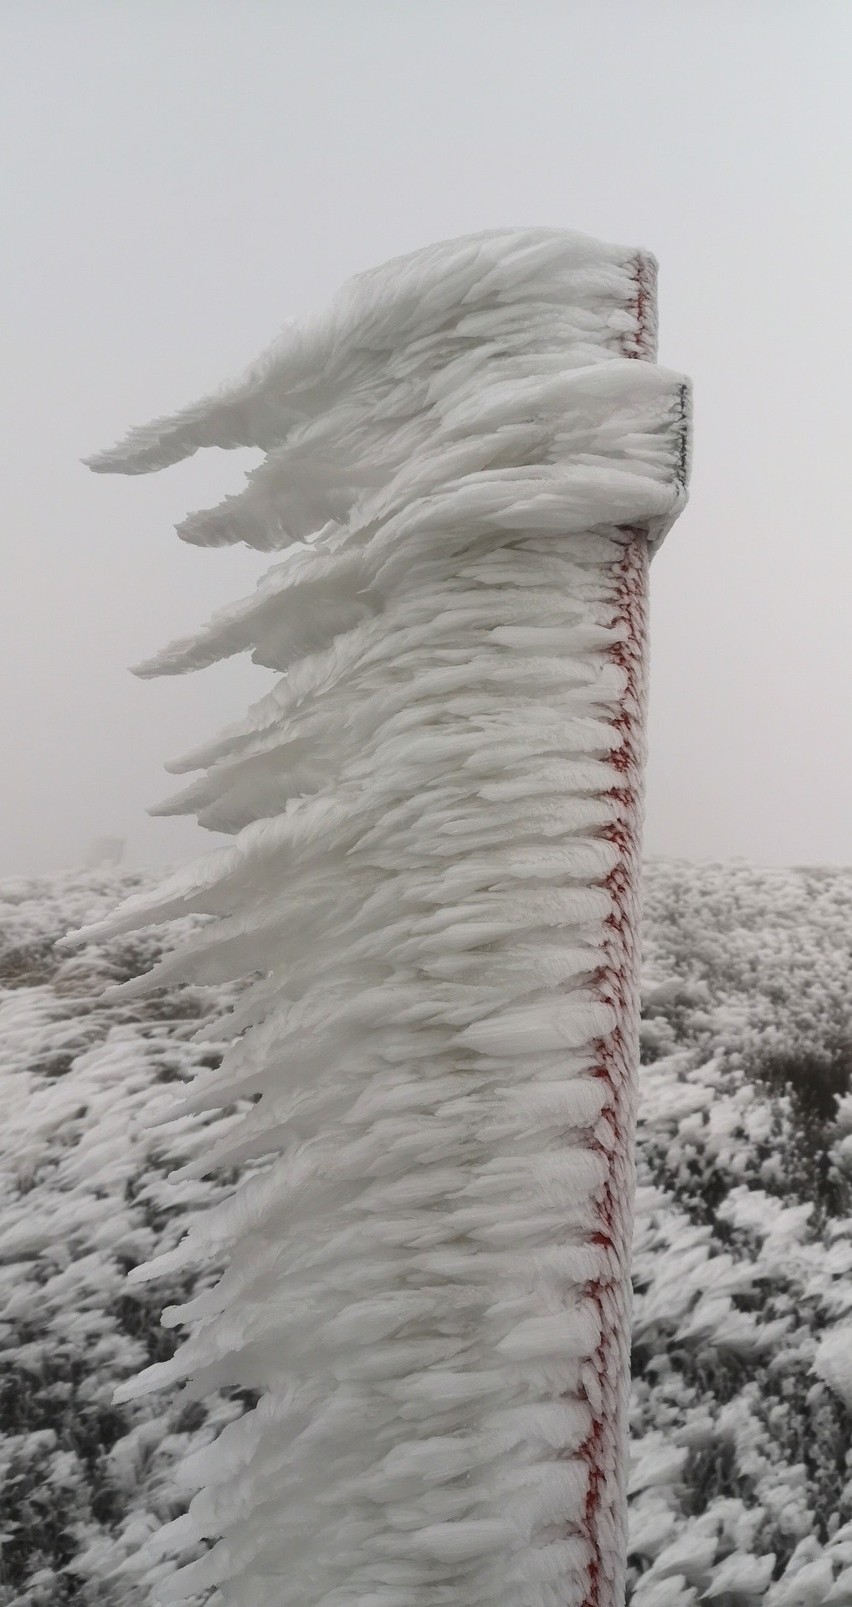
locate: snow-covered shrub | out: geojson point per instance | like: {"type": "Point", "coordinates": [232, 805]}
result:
{"type": "Point", "coordinates": [742, 1484]}
{"type": "Point", "coordinates": [83, 1199]}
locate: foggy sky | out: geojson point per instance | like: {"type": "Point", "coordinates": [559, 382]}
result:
{"type": "Point", "coordinates": [180, 176]}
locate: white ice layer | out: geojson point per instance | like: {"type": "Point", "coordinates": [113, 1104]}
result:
{"type": "Point", "coordinates": [436, 813]}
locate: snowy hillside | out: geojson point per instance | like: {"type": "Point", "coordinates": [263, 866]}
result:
{"type": "Point", "coordinates": [743, 1252]}
{"type": "Point", "coordinates": [742, 1479]}
{"type": "Point", "coordinates": [83, 1200]}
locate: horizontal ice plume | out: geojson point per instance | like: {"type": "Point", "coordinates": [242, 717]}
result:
{"type": "Point", "coordinates": [433, 892]}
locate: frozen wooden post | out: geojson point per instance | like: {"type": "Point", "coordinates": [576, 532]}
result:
{"type": "Point", "coordinates": [434, 886]}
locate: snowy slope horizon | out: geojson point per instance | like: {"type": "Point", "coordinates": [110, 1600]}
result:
{"type": "Point", "coordinates": [742, 1400]}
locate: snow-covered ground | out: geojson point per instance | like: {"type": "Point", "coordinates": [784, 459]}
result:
{"type": "Point", "coordinates": [742, 1405]}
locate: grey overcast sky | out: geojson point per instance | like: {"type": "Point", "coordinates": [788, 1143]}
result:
{"type": "Point", "coordinates": [179, 176]}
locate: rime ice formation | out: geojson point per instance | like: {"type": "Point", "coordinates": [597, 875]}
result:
{"type": "Point", "coordinates": [436, 813]}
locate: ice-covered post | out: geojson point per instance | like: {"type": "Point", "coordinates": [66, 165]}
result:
{"type": "Point", "coordinates": [434, 891]}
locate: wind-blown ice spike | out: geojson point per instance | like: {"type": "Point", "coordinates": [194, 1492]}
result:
{"type": "Point", "coordinates": [434, 885]}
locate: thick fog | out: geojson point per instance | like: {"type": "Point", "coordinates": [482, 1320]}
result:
{"type": "Point", "coordinates": [180, 176]}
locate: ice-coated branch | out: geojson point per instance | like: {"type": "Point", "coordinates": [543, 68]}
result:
{"type": "Point", "coordinates": [433, 888]}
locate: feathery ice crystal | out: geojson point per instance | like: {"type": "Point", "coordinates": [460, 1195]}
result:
{"type": "Point", "coordinates": [433, 888]}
